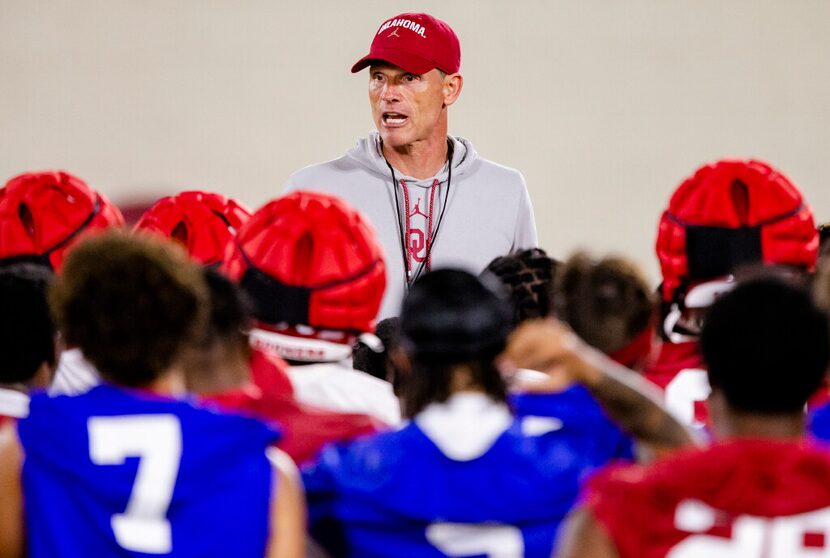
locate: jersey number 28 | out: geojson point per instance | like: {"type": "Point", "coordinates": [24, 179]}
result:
{"type": "Point", "coordinates": [797, 536]}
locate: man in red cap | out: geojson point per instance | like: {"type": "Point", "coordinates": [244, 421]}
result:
{"type": "Point", "coordinates": [432, 200]}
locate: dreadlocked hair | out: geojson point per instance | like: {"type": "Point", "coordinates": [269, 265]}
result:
{"type": "Point", "coordinates": [528, 276]}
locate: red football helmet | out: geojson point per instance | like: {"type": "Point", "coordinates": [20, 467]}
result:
{"type": "Point", "coordinates": [309, 259]}
{"type": "Point", "coordinates": [203, 222]}
{"type": "Point", "coordinates": [43, 214]}
{"type": "Point", "coordinates": [729, 213]}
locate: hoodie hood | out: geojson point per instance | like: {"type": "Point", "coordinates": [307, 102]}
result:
{"type": "Point", "coordinates": [486, 210]}
{"type": "Point", "coordinates": [367, 151]}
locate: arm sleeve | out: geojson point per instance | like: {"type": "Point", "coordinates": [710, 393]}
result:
{"type": "Point", "coordinates": [321, 489]}
{"type": "Point", "coordinates": [524, 233]}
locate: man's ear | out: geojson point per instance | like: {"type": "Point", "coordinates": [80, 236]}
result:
{"type": "Point", "coordinates": [400, 361]}
{"type": "Point", "coordinates": [398, 366]}
{"type": "Point", "coordinates": [452, 88]}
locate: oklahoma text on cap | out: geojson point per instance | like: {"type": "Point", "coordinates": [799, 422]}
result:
{"type": "Point", "coordinates": [417, 43]}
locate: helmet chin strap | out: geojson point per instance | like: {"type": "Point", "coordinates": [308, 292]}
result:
{"type": "Point", "coordinates": [699, 297]}
{"type": "Point", "coordinates": [674, 331]}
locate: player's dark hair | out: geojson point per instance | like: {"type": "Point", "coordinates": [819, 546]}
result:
{"type": "Point", "coordinates": [27, 333]}
{"type": "Point", "coordinates": [528, 276]}
{"type": "Point", "coordinates": [822, 279]}
{"type": "Point", "coordinates": [230, 309]}
{"type": "Point", "coordinates": [606, 302]}
{"type": "Point", "coordinates": [366, 359]}
{"type": "Point", "coordinates": [824, 239]}
{"type": "Point", "coordinates": [821, 284]}
{"type": "Point", "coordinates": [130, 303]}
{"type": "Point", "coordinates": [450, 318]}
{"type": "Point", "coordinates": [766, 346]}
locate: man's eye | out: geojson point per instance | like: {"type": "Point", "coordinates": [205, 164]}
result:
{"type": "Point", "coordinates": [409, 78]}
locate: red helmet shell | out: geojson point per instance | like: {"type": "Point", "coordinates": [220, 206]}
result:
{"type": "Point", "coordinates": [733, 212]}
{"type": "Point", "coordinates": [318, 263]}
{"type": "Point", "coordinates": [203, 222]}
{"type": "Point", "coordinates": [45, 213]}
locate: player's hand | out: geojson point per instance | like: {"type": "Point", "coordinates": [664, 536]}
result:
{"type": "Point", "coordinates": [550, 347]}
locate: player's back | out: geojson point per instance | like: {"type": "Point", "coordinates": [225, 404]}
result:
{"type": "Point", "coordinates": [446, 484]}
{"type": "Point", "coordinates": [819, 423]}
{"type": "Point", "coordinates": [742, 498]}
{"type": "Point", "coordinates": [601, 440]}
{"type": "Point", "coordinates": [125, 473]}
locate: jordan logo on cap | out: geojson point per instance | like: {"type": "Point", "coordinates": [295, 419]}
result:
{"type": "Point", "coordinates": [394, 33]}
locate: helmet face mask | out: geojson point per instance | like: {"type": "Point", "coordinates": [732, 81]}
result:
{"type": "Point", "coordinates": [43, 214]}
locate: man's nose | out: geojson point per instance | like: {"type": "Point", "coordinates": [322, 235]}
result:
{"type": "Point", "coordinates": [389, 93]}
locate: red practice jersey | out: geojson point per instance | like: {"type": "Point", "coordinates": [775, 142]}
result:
{"type": "Point", "coordinates": [305, 430]}
{"type": "Point", "coordinates": [736, 499]}
{"type": "Point", "coordinates": [679, 371]}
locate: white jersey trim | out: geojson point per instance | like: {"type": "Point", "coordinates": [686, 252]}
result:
{"type": "Point", "coordinates": [337, 387]}
{"type": "Point", "coordinates": [465, 426]}
{"type": "Point", "coordinates": [13, 403]}
{"type": "Point", "coordinates": [75, 374]}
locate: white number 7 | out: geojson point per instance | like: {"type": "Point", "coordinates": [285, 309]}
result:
{"type": "Point", "coordinates": [157, 441]}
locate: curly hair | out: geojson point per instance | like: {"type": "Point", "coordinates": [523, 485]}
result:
{"type": "Point", "coordinates": [606, 302]}
{"type": "Point", "coordinates": [130, 303]}
{"type": "Point", "coordinates": [528, 276]}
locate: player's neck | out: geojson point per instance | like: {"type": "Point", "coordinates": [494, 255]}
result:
{"type": "Point", "coordinates": [422, 159]}
{"type": "Point", "coordinates": [171, 383]}
{"type": "Point", "coordinates": [220, 369]}
{"type": "Point", "coordinates": [22, 388]}
{"type": "Point", "coordinates": [733, 423]}
{"type": "Point", "coordinates": [463, 380]}
{"type": "Point", "coordinates": [753, 425]}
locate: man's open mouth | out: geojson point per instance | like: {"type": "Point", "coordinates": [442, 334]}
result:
{"type": "Point", "coordinates": [394, 118]}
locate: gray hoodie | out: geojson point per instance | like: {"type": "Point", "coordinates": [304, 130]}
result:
{"type": "Point", "coordinates": [488, 212]}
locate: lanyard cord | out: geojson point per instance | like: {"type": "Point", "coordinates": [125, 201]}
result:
{"type": "Point", "coordinates": [404, 248]}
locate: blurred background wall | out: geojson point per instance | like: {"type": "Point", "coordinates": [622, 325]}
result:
{"type": "Point", "coordinates": [604, 105]}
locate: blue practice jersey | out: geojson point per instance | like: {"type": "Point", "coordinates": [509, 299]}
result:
{"type": "Point", "coordinates": [581, 417]}
{"type": "Point", "coordinates": [113, 473]}
{"type": "Point", "coordinates": [819, 423]}
{"type": "Point", "coordinates": [398, 494]}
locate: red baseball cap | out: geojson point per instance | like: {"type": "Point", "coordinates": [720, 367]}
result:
{"type": "Point", "coordinates": [415, 42]}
